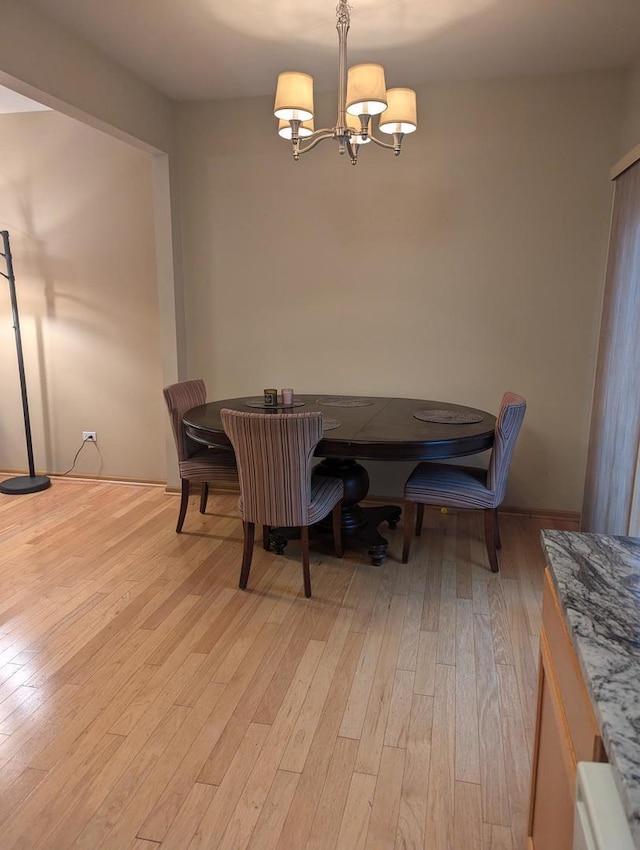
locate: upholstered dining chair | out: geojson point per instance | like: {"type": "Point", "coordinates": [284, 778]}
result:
{"type": "Point", "coordinates": [197, 464]}
{"type": "Point", "coordinates": [446, 485]}
{"type": "Point", "coordinates": [274, 453]}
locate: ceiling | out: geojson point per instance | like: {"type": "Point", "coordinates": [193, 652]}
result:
{"type": "Point", "coordinates": [194, 49]}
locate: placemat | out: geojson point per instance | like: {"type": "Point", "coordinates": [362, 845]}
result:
{"type": "Point", "coordinates": [329, 424]}
{"type": "Point", "coordinates": [345, 401]}
{"type": "Point", "coordinates": [259, 402]}
{"type": "Point", "coordinates": [447, 417]}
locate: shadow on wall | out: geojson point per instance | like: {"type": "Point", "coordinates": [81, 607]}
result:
{"type": "Point", "coordinates": [31, 260]}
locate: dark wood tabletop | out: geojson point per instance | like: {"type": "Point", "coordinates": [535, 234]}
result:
{"type": "Point", "coordinates": [384, 430]}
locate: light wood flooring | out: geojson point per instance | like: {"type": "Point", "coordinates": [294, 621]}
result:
{"type": "Point", "coordinates": [146, 702]}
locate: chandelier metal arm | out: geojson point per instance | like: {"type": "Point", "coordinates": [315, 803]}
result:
{"type": "Point", "coordinates": [313, 140]}
{"type": "Point", "coordinates": [395, 146]}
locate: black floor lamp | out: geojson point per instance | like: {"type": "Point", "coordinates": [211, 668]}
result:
{"type": "Point", "coordinates": [30, 483]}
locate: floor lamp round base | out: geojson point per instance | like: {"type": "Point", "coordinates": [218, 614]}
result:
{"type": "Point", "coordinates": [24, 484]}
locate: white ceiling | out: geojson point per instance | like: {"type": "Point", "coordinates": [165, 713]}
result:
{"type": "Point", "coordinates": [191, 49]}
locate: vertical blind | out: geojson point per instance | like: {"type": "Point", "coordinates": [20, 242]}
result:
{"type": "Point", "coordinates": [612, 486]}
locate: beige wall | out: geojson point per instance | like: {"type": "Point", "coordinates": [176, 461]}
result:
{"type": "Point", "coordinates": [471, 265]}
{"type": "Point", "coordinates": [631, 119]}
{"type": "Point", "coordinates": [42, 60]}
{"type": "Point", "coordinates": [39, 57]}
{"type": "Point", "coordinates": [79, 209]}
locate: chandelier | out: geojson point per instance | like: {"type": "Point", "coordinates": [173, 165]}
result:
{"type": "Point", "coordinates": [362, 93]}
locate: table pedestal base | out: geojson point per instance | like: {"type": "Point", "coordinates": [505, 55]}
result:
{"type": "Point", "coordinates": [358, 523]}
{"type": "Point", "coordinates": [366, 529]}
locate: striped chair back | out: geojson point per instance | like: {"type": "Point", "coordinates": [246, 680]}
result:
{"type": "Point", "coordinates": [510, 417]}
{"type": "Point", "coordinates": [181, 397]}
{"type": "Point", "coordinates": [274, 453]}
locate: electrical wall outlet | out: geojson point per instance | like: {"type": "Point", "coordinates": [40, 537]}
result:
{"type": "Point", "coordinates": [90, 436]}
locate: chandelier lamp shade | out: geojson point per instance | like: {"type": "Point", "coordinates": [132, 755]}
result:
{"type": "Point", "coordinates": [304, 130]}
{"type": "Point", "coordinates": [362, 95]}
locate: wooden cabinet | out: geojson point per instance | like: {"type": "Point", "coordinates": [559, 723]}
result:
{"type": "Point", "coordinates": [566, 732]}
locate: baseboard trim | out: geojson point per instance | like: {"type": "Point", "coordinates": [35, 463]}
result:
{"type": "Point", "coordinates": [541, 513]}
{"type": "Point", "coordinates": [227, 487]}
{"type": "Point", "coordinates": [538, 513]}
{"type": "Point", "coordinates": [93, 479]}
{"type": "Point", "coordinates": [222, 487]}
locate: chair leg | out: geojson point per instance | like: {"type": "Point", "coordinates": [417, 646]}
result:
{"type": "Point", "coordinates": [419, 520]}
{"type": "Point", "coordinates": [247, 553]}
{"type": "Point", "coordinates": [490, 538]}
{"type": "Point", "coordinates": [336, 517]}
{"type": "Point", "coordinates": [409, 521]}
{"type": "Point", "coordinates": [304, 539]}
{"type": "Point", "coordinates": [266, 538]}
{"type": "Point", "coordinates": [204, 495]}
{"type": "Point", "coordinates": [184, 501]}
{"type": "Point", "coordinates": [497, 529]}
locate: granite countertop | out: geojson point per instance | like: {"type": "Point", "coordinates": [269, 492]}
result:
{"type": "Point", "coordinates": [597, 578]}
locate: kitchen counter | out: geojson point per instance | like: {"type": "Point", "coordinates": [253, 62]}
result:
{"type": "Point", "coordinates": [597, 580]}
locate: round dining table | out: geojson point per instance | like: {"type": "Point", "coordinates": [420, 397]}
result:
{"type": "Point", "coordinates": [363, 428]}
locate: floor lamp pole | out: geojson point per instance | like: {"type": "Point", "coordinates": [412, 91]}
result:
{"type": "Point", "coordinates": [31, 483]}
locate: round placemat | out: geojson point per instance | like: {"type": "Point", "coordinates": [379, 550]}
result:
{"type": "Point", "coordinates": [259, 402]}
{"type": "Point", "coordinates": [447, 417]}
{"type": "Point", "coordinates": [345, 401]}
{"type": "Point", "coordinates": [329, 424]}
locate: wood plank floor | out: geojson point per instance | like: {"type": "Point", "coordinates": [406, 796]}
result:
{"type": "Point", "coordinates": [147, 702]}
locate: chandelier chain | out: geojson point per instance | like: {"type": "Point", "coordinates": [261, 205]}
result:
{"type": "Point", "coordinates": [343, 12]}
